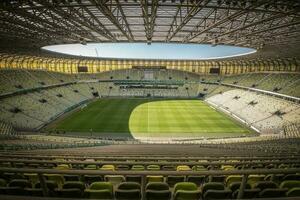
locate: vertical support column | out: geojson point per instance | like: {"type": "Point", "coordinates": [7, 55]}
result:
{"type": "Point", "coordinates": [43, 184]}
{"type": "Point", "coordinates": [242, 187]}
{"type": "Point", "coordinates": [143, 191]}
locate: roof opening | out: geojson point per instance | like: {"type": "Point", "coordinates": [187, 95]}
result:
{"type": "Point", "coordinates": [165, 51]}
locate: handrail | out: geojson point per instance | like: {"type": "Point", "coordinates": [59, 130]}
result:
{"type": "Point", "coordinates": [145, 172]}
{"type": "Point", "coordinates": [146, 163]}
{"type": "Point", "coordinates": [147, 157]}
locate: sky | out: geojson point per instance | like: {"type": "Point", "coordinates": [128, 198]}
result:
{"type": "Point", "coordinates": [153, 51]}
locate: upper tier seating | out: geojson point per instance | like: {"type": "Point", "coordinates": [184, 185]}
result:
{"type": "Point", "coordinates": [285, 83]}
{"type": "Point", "coordinates": [12, 80]}
{"type": "Point", "coordinates": [33, 109]}
{"type": "Point", "coordinates": [266, 113]}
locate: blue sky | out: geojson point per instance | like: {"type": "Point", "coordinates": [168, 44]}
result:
{"type": "Point", "coordinates": [153, 51]}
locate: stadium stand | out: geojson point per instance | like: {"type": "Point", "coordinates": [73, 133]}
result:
{"type": "Point", "coordinates": [23, 106]}
{"type": "Point", "coordinates": [165, 129]}
{"type": "Point", "coordinates": [266, 113]}
{"type": "Point", "coordinates": [54, 180]}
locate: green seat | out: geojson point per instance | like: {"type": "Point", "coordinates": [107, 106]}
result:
{"type": "Point", "coordinates": [14, 191]}
{"type": "Point", "coordinates": [3, 190]}
{"type": "Point", "coordinates": [20, 183]}
{"type": "Point", "coordinates": [129, 186]}
{"type": "Point", "coordinates": [99, 190]}
{"type": "Point", "coordinates": [233, 178]}
{"type": "Point", "coordinates": [122, 167]}
{"type": "Point", "coordinates": [212, 186]}
{"type": "Point", "coordinates": [153, 167]}
{"type": "Point", "coordinates": [10, 176]}
{"type": "Point", "coordinates": [36, 192]}
{"type": "Point", "coordinates": [157, 190]}
{"type": "Point", "coordinates": [90, 167]}
{"type": "Point", "coordinates": [289, 184]}
{"type": "Point", "coordinates": [33, 178]}
{"type": "Point", "coordinates": [128, 190]}
{"type": "Point", "coordinates": [277, 178]}
{"type": "Point", "coordinates": [168, 168]}
{"type": "Point", "coordinates": [264, 185]}
{"type": "Point", "coordinates": [3, 182]}
{"type": "Point", "coordinates": [198, 180]}
{"type": "Point", "coordinates": [68, 177]}
{"type": "Point", "coordinates": [217, 194]}
{"type": "Point", "coordinates": [292, 177]}
{"type": "Point", "coordinates": [59, 179]}
{"type": "Point", "coordinates": [283, 166]}
{"type": "Point", "coordinates": [137, 168]}
{"type": "Point", "coordinates": [248, 193]}
{"type": "Point", "coordinates": [69, 193]}
{"type": "Point", "coordinates": [74, 184]}
{"type": "Point", "coordinates": [5, 164]}
{"type": "Point", "coordinates": [51, 185]}
{"type": "Point", "coordinates": [199, 168]}
{"type": "Point", "coordinates": [89, 179]}
{"type": "Point", "coordinates": [294, 192]}
{"type": "Point", "coordinates": [33, 165]}
{"type": "Point", "coordinates": [217, 178]}
{"type": "Point", "coordinates": [154, 179]}
{"type": "Point", "coordinates": [273, 193]}
{"type": "Point", "coordinates": [134, 178]}
{"type": "Point", "coordinates": [236, 185]}
{"type": "Point", "coordinates": [187, 195]}
{"type": "Point", "coordinates": [114, 179]}
{"type": "Point", "coordinates": [186, 191]}
{"type": "Point", "coordinates": [19, 165]}
{"type": "Point", "coordinates": [172, 180]}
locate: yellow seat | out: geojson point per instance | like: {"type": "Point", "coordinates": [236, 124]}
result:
{"type": "Point", "coordinates": [233, 178]}
{"type": "Point", "coordinates": [183, 168]}
{"type": "Point", "coordinates": [252, 179]}
{"type": "Point", "coordinates": [90, 167]}
{"type": "Point", "coordinates": [108, 168]}
{"type": "Point", "coordinates": [227, 167]}
{"type": "Point", "coordinates": [199, 168]}
{"type": "Point", "coordinates": [62, 167]}
{"type": "Point", "coordinates": [154, 179]}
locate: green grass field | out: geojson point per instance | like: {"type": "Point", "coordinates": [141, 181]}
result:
{"type": "Point", "coordinates": [150, 118]}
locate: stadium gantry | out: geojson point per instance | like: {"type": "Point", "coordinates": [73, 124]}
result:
{"type": "Point", "coordinates": [113, 128]}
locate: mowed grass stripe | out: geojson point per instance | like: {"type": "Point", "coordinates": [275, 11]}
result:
{"type": "Point", "coordinates": [151, 118]}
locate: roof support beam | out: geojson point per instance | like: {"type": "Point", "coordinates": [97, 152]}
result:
{"type": "Point", "coordinates": [262, 21]}
{"type": "Point", "coordinates": [179, 21]}
{"type": "Point", "coordinates": [225, 19]}
{"type": "Point", "coordinates": [149, 18]}
{"type": "Point", "coordinates": [119, 20]}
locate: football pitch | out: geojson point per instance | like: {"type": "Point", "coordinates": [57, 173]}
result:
{"type": "Point", "coordinates": [150, 118]}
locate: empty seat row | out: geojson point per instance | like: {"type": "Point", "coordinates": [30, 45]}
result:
{"type": "Point", "coordinates": [153, 190]}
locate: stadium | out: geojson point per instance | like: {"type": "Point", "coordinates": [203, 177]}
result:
{"type": "Point", "coordinates": [149, 100]}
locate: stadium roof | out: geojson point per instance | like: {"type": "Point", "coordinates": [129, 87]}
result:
{"type": "Point", "coordinates": [269, 25]}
